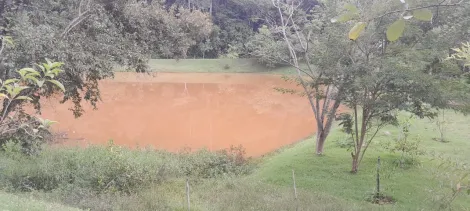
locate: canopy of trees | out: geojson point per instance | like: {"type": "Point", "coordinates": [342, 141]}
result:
{"type": "Point", "coordinates": [92, 37]}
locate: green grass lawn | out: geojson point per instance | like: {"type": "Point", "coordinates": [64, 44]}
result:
{"type": "Point", "coordinates": [416, 188]}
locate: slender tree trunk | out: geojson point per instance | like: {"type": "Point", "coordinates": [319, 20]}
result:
{"type": "Point", "coordinates": [359, 139]}
{"type": "Point", "coordinates": [323, 132]}
{"type": "Point", "coordinates": [210, 8]}
{"type": "Point", "coordinates": [355, 162]}
{"type": "Point", "coordinates": [321, 137]}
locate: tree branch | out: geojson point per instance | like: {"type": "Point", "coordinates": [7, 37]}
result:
{"type": "Point", "coordinates": [420, 7]}
{"type": "Point", "coordinates": [3, 45]}
{"type": "Point", "coordinates": [379, 127]}
{"type": "Point", "coordinates": [81, 16]}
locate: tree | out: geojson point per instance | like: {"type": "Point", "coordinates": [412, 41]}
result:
{"type": "Point", "coordinates": [386, 74]}
{"type": "Point", "coordinates": [268, 49]}
{"type": "Point", "coordinates": [374, 58]}
{"type": "Point", "coordinates": [312, 47]}
{"type": "Point", "coordinates": [93, 37]}
{"type": "Point", "coordinates": [235, 22]}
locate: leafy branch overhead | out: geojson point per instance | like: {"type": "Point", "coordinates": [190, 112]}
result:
{"type": "Point", "coordinates": [396, 29]}
{"type": "Point", "coordinates": [29, 78]}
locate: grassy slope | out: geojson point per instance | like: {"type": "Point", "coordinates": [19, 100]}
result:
{"type": "Point", "coordinates": [324, 183]}
{"type": "Point", "coordinates": [212, 66]}
{"type": "Point", "coordinates": [12, 202]}
{"type": "Point", "coordinates": [414, 189]}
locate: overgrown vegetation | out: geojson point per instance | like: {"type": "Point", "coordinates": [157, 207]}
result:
{"type": "Point", "coordinates": [82, 174]}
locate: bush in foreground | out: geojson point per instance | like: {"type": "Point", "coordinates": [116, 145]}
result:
{"type": "Point", "coordinates": [111, 169]}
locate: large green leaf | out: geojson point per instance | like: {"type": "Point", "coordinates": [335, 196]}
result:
{"type": "Point", "coordinates": [31, 77]}
{"type": "Point", "coordinates": [23, 72]}
{"type": "Point", "coordinates": [24, 98]}
{"type": "Point", "coordinates": [58, 84]}
{"type": "Point", "coordinates": [423, 14]}
{"type": "Point", "coordinates": [41, 67]}
{"type": "Point", "coordinates": [29, 70]}
{"type": "Point", "coordinates": [50, 75]}
{"type": "Point", "coordinates": [395, 30]}
{"type": "Point", "coordinates": [11, 80]}
{"type": "Point", "coordinates": [356, 30]}
{"type": "Point", "coordinates": [56, 65]}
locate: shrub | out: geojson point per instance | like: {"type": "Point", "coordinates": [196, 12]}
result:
{"type": "Point", "coordinates": [345, 142]}
{"type": "Point", "coordinates": [15, 124]}
{"type": "Point", "coordinates": [409, 148]}
{"type": "Point", "coordinates": [206, 164]}
{"type": "Point", "coordinates": [111, 169]}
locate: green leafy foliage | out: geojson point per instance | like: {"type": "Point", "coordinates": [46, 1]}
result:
{"type": "Point", "coordinates": [394, 30]}
{"type": "Point", "coordinates": [269, 49]}
{"type": "Point", "coordinates": [18, 126]}
{"type": "Point", "coordinates": [92, 38]}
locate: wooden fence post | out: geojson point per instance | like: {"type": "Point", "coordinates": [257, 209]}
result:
{"type": "Point", "coordinates": [187, 194]}
{"type": "Point", "coordinates": [378, 178]}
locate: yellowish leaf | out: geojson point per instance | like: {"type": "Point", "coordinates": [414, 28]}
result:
{"type": "Point", "coordinates": [356, 30]}
{"type": "Point", "coordinates": [24, 98]}
{"type": "Point", "coordinates": [4, 96]}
